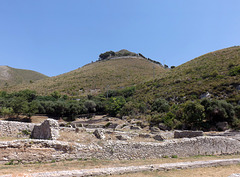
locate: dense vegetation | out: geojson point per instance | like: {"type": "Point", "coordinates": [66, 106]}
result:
{"type": "Point", "coordinates": [121, 53]}
{"type": "Point", "coordinates": [201, 114]}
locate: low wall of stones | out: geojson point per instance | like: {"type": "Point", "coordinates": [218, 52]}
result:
{"type": "Point", "coordinates": [47, 150]}
{"type": "Point", "coordinates": [15, 129]}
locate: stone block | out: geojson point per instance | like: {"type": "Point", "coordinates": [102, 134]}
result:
{"type": "Point", "coordinates": [49, 130]}
{"type": "Point", "coordinates": [187, 134]}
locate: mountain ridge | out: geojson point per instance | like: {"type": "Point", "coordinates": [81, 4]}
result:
{"type": "Point", "coordinates": [210, 72]}
{"type": "Point", "coordinates": [10, 76]}
{"type": "Point", "coordinates": [98, 76]}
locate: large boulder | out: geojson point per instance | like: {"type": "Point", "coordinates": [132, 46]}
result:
{"type": "Point", "coordinates": [49, 130]}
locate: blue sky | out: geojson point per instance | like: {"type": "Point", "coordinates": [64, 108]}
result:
{"type": "Point", "coordinates": [57, 36]}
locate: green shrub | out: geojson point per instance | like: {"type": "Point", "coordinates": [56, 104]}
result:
{"type": "Point", "coordinates": [234, 71]}
{"type": "Point", "coordinates": [160, 105]}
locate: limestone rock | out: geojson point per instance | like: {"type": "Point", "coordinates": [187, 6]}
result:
{"type": "Point", "coordinates": [205, 95]}
{"type": "Point", "coordinates": [167, 135]}
{"type": "Point", "coordinates": [144, 135]}
{"type": "Point", "coordinates": [123, 137]}
{"type": "Point", "coordinates": [154, 130]}
{"type": "Point", "coordinates": [234, 175]}
{"type": "Point", "coordinates": [162, 126]}
{"type": "Point", "coordinates": [158, 137]}
{"type": "Point", "coordinates": [134, 127]}
{"type": "Point", "coordinates": [99, 133]}
{"type": "Point", "coordinates": [49, 130]}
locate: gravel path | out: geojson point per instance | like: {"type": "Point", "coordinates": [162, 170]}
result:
{"type": "Point", "coordinates": [132, 169]}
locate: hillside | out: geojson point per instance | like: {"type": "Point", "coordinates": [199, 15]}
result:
{"type": "Point", "coordinates": [12, 76]}
{"type": "Point", "coordinates": [216, 73]}
{"type": "Point", "coordinates": [99, 76]}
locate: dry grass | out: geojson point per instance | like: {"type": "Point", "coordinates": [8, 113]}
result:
{"type": "Point", "coordinates": [34, 119]}
{"type": "Point", "coordinates": [89, 164]}
{"type": "Point", "coordinates": [10, 138]}
{"type": "Point", "coordinates": [95, 77]}
{"type": "Point", "coordinates": [209, 72]}
{"type": "Point", "coordinates": [38, 119]}
{"type": "Point", "coordinates": [78, 137]}
{"type": "Point", "coordinates": [221, 171]}
{"type": "Point", "coordinates": [13, 76]}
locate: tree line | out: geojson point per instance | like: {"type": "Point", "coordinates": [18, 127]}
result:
{"type": "Point", "coordinates": [201, 114]}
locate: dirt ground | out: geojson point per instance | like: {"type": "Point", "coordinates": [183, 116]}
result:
{"type": "Point", "coordinates": [94, 163]}
{"type": "Point", "coordinates": [221, 171]}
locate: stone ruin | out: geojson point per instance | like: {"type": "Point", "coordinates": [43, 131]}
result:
{"type": "Point", "coordinates": [187, 134]}
{"type": "Point", "coordinates": [49, 130]}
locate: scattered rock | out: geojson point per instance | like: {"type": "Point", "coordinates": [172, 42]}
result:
{"type": "Point", "coordinates": [49, 130]}
{"type": "Point", "coordinates": [134, 127]}
{"type": "Point", "coordinates": [144, 135]}
{"type": "Point", "coordinates": [123, 137]}
{"type": "Point", "coordinates": [158, 137]}
{"type": "Point", "coordinates": [205, 95]}
{"type": "Point", "coordinates": [154, 130]}
{"type": "Point", "coordinates": [125, 117]}
{"type": "Point", "coordinates": [187, 134]}
{"type": "Point", "coordinates": [126, 128]}
{"type": "Point", "coordinates": [162, 126]}
{"type": "Point", "coordinates": [99, 133]}
{"type": "Point", "coordinates": [222, 126]}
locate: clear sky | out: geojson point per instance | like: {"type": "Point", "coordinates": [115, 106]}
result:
{"type": "Point", "coordinates": [57, 36]}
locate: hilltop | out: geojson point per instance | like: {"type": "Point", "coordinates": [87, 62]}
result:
{"type": "Point", "coordinates": [97, 77]}
{"type": "Point", "coordinates": [215, 74]}
{"type": "Point", "coordinates": [11, 76]}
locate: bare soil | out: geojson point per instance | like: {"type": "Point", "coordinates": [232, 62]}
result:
{"type": "Point", "coordinates": [94, 163]}
{"type": "Point", "coordinates": [220, 171]}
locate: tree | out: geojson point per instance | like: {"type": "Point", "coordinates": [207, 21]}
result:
{"type": "Point", "coordinates": [28, 95]}
{"type": "Point", "coordinates": [31, 109]}
{"type": "Point", "coordinates": [160, 105]}
{"type": "Point", "coordinates": [193, 114]}
{"type": "Point", "coordinates": [6, 112]}
{"type": "Point", "coordinates": [218, 111]}
{"type": "Point", "coordinates": [114, 105]}
{"type": "Point", "coordinates": [18, 104]}
{"type": "Point", "coordinates": [90, 105]}
{"type": "Point", "coordinates": [105, 55]}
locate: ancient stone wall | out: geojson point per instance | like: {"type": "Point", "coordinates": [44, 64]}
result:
{"type": "Point", "coordinates": [15, 129]}
{"type": "Point", "coordinates": [47, 150]}
{"type": "Point", "coordinates": [187, 133]}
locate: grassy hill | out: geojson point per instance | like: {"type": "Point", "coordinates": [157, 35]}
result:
{"type": "Point", "coordinates": [12, 76]}
{"type": "Point", "coordinates": [99, 76]}
{"type": "Point", "coordinates": [217, 72]}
